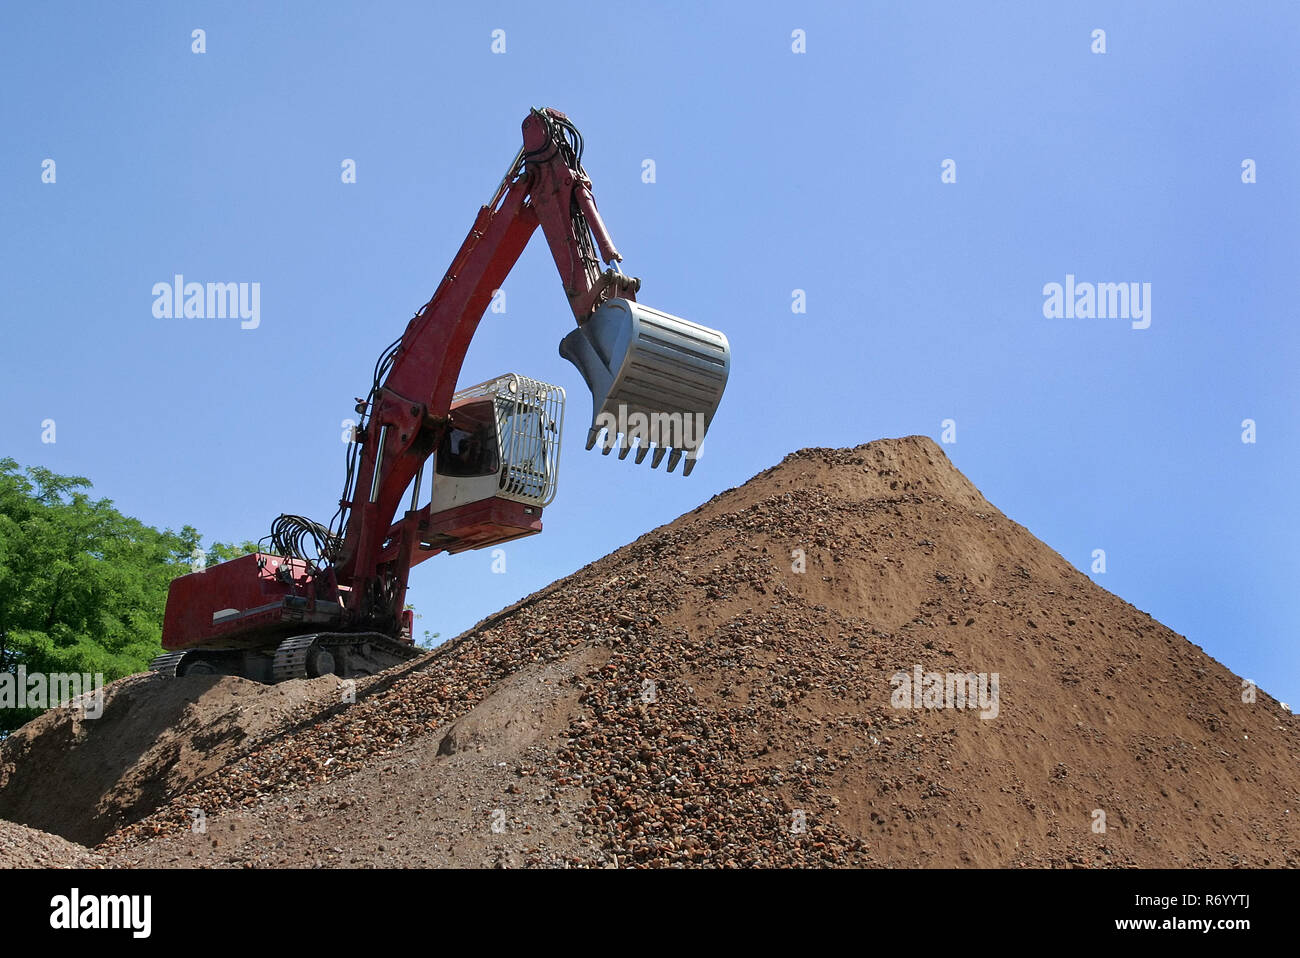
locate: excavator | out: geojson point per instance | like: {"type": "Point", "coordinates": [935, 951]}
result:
{"type": "Point", "coordinates": [319, 600]}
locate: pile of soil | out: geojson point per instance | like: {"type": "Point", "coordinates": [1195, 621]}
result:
{"type": "Point", "coordinates": [84, 777]}
{"type": "Point", "coordinates": [725, 691]}
{"type": "Point", "coordinates": [23, 847]}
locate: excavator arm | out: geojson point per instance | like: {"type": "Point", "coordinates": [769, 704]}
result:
{"type": "Point", "coordinates": [407, 414]}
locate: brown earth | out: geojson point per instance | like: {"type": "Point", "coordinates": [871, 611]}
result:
{"type": "Point", "coordinates": [83, 778]}
{"type": "Point", "coordinates": [23, 847]}
{"type": "Point", "coordinates": [692, 699]}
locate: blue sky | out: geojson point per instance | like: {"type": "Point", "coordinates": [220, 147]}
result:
{"type": "Point", "coordinates": [775, 171]}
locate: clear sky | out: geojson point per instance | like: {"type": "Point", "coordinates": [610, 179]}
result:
{"type": "Point", "coordinates": [775, 171]}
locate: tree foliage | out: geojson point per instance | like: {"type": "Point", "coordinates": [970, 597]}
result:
{"type": "Point", "coordinates": [82, 587]}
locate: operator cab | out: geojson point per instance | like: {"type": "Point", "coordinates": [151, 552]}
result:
{"type": "Point", "coordinates": [495, 468]}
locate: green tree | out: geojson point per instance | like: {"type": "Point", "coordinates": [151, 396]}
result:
{"type": "Point", "coordinates": [82, 587]}
{"type": "Point", "coordinates": [220, 552]}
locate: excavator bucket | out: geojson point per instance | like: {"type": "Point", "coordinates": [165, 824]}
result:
{"type": "Point", "coordinates": [655, 380]}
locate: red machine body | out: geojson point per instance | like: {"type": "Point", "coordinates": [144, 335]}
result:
{"type": "Point", "coordinates": [255, 594]}
{"type": "Point", "coordinates": [244, 602]}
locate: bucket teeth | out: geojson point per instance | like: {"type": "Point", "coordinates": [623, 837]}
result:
{"type": "Point", "coordinates": [627, 446]}
{"type": "Point", "coordinates": [606, 444]}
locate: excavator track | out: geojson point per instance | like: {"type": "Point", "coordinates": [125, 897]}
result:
{"type": "Point", "coordinates": [345, 654]}
{"type": "Point", "coordinates": [201, 661]}
{"type": "Point", "coordinates": [316, 654]}
{"type": "Point", "coordinates": [291, 658]}
{"type": "Point", "coordinates": [167, 663]}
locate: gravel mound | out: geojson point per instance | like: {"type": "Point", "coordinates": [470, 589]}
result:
{"type": "Point", "coordinates": [728, 691]}
{"type": "Point", "coordinates": [82, 778]}
{"type": "Point", "coordinates": [23, 847]}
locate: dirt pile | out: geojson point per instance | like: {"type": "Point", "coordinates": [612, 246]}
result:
{"type": "Point", "coordinates": [83, 777]}
{"type": "Point", "coordinates": [23, 847]}
{"type": "Point", "coordinates": [729, 690]}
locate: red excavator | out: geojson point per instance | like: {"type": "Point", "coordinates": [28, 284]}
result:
{"type": "Point", "coordinates": [322, 600]}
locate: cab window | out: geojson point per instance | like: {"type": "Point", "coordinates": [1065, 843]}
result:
{"type": "Point", "coordinates": [468, 449]}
